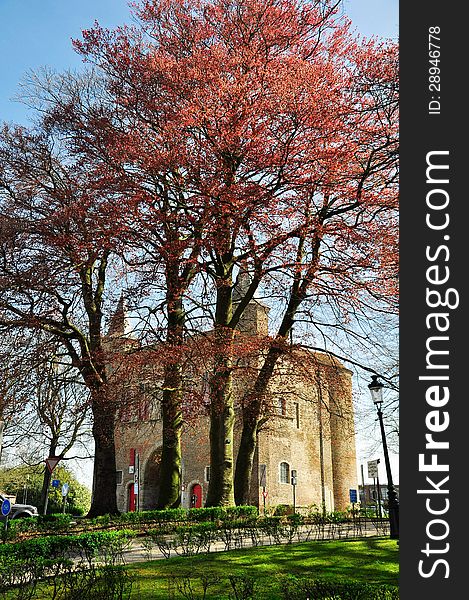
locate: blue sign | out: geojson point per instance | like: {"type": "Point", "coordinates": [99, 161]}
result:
{"type": "Point", "coordinates": [353, 496]}
{"type": "Point", "coordinates": [55, 483]}
{"type": "Point", "coordinates": [6, 507]}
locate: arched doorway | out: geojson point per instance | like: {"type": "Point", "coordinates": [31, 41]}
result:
{"type": "Point", "coordinates": [151, 480]}
{"type": "Point", "coordinates": [196, 496]}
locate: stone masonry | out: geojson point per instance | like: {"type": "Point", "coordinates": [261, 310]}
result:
{"type": "Point", "coordinates": [310, 429]}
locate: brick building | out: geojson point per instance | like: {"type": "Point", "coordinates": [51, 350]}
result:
{"type": "Point", "coordinates": [310, 429]}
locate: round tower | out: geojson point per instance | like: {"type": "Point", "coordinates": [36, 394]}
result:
{"type": "Point", "coordinates": [343, 451]}
{"type": "Point", "coordinates": [255, 317]}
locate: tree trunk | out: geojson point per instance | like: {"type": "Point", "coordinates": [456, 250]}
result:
{"type": "Point", "coordinates": [244, 461]}
{"type": "Point", "coordinates": [103, 499]}
{"type": "Point", "coordinates": [169, 495]}
{"type": "Point", "coordinates": [45, 489]}
{"type": "Point", "coordinates": [220, 488]}
{"type": "Point", "coordinates": [253, 407]}
{"type": "Point", "coordinates": [170, 471]}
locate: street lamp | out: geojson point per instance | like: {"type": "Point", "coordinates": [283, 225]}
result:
{"type": "Point", "coordinates": [293, 483]}
{"type": "Point", "coordinates": [376, 389]}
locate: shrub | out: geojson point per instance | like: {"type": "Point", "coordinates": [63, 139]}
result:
{"type": "Point", "coordinates": [283, 509]}
{"type": "Point", "coordinates": [160, 538]}
{"type": "Point", "coordinates": [300, 588]}
{"type": "Point", "coordinates": [93, 583]}
{"type": "Point", "coordinates": [55, 522]}
{"type": "Point", "coordinates": [242, 512]}
{"type": "Point", "coordinates": [192, 539]}
{"type": "Point", "coordinates": [85, 546]}
{"type": "Point", "coordinates": [212, 513]}
{"type": "Point", "coordinates": [168, 515]}
{"type": "Point", "coordinates": [243, 586]}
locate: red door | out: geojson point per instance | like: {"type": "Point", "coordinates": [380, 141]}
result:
{"type": "Point", "coordinates": [131, 501]}
{"type": "Point", "coordinates": [196, 496]}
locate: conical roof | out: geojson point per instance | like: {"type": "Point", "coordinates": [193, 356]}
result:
{"type": "Point", "coordinates": [243, 281]}
{"type": "Point", "coordinates": [119, 323]}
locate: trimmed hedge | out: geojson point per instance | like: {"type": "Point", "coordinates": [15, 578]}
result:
{"type": "Point", "coordinates": [59, 546]}
{"type": "Point", "coordinates": [58, 523]}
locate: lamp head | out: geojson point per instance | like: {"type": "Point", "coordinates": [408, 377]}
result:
{"type": "Point", "coordinates": [376, 390]}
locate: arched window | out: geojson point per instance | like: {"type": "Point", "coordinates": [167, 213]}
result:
{"type": "Point", "coordinates": [280, 406]}
{"type": "Point", "coordinates": [284, 472]}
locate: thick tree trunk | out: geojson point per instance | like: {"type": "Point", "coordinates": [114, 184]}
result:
{"type": "Point", "coordinates": [245, 461]}
{"type": "Point", "coordinates": [103, 500]}
{"type": "Point", "coordinates": [220, 488]}
{"type": "Point", "coordinates": [45, 489]}
{"type": "Point", "coordinates": [170, 470]}
{"type": "Point", "coordinates": [253, 407]}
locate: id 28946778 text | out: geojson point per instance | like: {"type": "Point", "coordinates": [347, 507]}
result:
{"type": "Point", "coordinates": [434, 70]}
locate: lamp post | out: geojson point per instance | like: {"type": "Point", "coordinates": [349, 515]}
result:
{"type": "Point", "coordinates": [376, 389]}
{"type": "Point", "coordinates": [293, 483]}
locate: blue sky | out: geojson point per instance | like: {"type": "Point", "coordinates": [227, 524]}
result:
{"type": "Point", "coordinates": [37, 33]}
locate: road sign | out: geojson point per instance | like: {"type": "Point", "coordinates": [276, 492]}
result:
{"type": "Point", "coordinates": [372, 469]}
{"type": "Point", "coordinates": [55, 483]}
{"type": "Point", "coordinates": [262, 475]}
{"type": "Point", "coordinates": [353, 496]}
{"type": "Point", "coordinates": [6, 507]}
{"type": "Point", "coordinates": [51, 463]}
{"type": "Point", "coordinates": [65, 489]}
{"type": "Point", "coordinates": [265, 494]}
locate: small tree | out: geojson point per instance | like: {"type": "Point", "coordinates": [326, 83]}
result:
{"type": "Point", "coordinates": [26, 483]}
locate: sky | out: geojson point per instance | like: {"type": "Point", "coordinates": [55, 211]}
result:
{"type": "Point", "coordinates": [37, 33]}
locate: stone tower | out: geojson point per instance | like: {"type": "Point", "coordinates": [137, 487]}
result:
{"type": "Point", "coordinates": [310, 428]}
{"type": "Point", "coordinates": [119, 323]}
{"type": "Point", "coordinates": [255, 318]}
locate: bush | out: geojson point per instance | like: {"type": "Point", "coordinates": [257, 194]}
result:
{"type": "Point", "coordinates": [167, 515]}
{"type": "Point", "coordinates": [85, 546]}
{"type": "Point", "coordinates": [191, 539]}
{"type": "Point", "coordinates": [283, 509]}
{"type": "Point", "coordinates": [212, 513]}
{"type": "Point", "coordinates": [300, 588]}
{"type": "Point", "coordinates": [55, 522]}
{"type": "Point", "coordinates": [243, 586]}
{"type": "Point", "coordinates": [98, 583]}
{"type": "Point", "coordinates": [242, 512]}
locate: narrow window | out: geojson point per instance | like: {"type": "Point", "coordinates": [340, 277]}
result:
{"type": "Point", "coordinates": [284, 472]}
{"type": "Point", "coordinates": [297, 415]}
{"type": "Point", "coordinates": [280, 406]}
{"type": "Point", "coordinates": [207, 474]}
{"type": "Point", "coordinates": [119, 477]}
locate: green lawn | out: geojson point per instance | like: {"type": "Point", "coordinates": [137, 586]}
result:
{"type": "Point", "coordinates": [372, 560]}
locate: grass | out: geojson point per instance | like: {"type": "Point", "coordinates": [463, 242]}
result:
{"type": "Point", "coordinates": [372, 560]}
{"type": "Point", "coordinates": [368, 560]}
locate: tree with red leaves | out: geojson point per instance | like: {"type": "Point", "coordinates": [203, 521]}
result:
{"type": "Point", "coordinates": [59, 228]}
{"type": "Point", "coordinates": [282, 126]}
{"type": "Point", "coordinates": [116, 122]}
{"type": "Point", "coordinates": [243, 132]}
